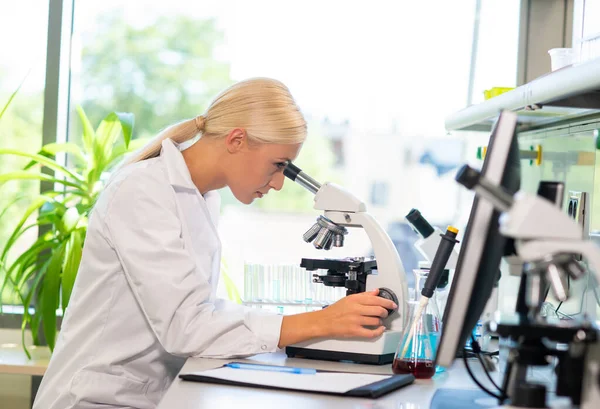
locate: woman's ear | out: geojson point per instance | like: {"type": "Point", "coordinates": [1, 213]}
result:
{"type": "Point", "coordinates": [236, 141]}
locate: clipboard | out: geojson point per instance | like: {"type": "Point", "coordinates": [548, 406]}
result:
{"type": "Point", "coordinates": [323, 382]}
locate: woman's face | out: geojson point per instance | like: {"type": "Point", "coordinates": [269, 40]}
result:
{"type": "Point", "coordinates": [258, 168]}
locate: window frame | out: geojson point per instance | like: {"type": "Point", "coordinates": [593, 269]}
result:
{"type": "Point", "coordinates": [55, 120]}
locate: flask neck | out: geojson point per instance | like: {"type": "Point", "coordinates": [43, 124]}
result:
{"type": "Point", "coordinates": [420, 278]}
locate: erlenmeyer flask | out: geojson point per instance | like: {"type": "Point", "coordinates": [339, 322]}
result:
{"type": "Point", "coordinates": [416, 352]}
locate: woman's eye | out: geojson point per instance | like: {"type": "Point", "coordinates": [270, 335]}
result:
{"type": "Point", "coordinates": [281, 165]}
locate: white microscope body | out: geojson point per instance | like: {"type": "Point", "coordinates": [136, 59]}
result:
{"type": "Point", "coordinates": [344, 209]}
{"type": "Point", "coordinates": [542, 231]}
{"type": "Point", "coordinates": [428, 246]}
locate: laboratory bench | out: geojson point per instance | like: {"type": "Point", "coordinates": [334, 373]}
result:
{"type": "Point", "coordinates": [188, 395]}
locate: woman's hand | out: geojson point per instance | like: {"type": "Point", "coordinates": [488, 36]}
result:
{"type": "Point", "coordinates": [349, 316]}
{"type": "Point", "coordinates": [346, 318]}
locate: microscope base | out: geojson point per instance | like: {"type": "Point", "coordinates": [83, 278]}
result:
{"type": "Point", "coordinates": [378, 351]}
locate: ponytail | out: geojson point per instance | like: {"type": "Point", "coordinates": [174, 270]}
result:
{"type": "Point", "coordinates": [180, 132]}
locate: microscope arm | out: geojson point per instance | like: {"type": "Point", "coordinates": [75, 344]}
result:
{"type": "Point", "coordinates": [344, 209]}
{"type": "Point", "coordinates": [390, 272]}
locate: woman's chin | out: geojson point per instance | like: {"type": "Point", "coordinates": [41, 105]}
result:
{"type": "Point", "coordinates": [248, 198]}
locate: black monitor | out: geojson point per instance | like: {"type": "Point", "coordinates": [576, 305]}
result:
{"type": "Point", "coordinates": [483, 245]}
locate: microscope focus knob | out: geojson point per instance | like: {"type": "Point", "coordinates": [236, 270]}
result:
{"type": "Point", "coordinates": [389, 295]}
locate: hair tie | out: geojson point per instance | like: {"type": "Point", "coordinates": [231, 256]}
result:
{"type": "Point", "coordinates": [200, 121]}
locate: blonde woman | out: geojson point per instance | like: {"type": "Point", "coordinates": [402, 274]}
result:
{"type": "Point", "coordinates": [144, 299]}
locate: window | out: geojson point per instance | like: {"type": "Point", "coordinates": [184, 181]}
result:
{"type": "Point", "coordinates": [23, 61]}
{"type": "Point", "coordinates": [375, 84]}
{"type": "Point", "coordinates": [372, 81]}
{"type": "Point", "coordinates": [495, 60]}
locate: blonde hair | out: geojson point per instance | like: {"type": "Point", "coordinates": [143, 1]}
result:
{"type": "Point", "coordinates": [263, 107]}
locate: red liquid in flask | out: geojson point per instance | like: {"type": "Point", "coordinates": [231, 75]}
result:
{"type": "Point", "coordinates": [421, 368]}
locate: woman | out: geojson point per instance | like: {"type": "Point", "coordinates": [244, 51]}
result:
{"type": "Point", "coordinates": [144, 299]}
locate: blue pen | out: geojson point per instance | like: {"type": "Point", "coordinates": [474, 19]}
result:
{"type": "Point", "coordinates": [286, 369]}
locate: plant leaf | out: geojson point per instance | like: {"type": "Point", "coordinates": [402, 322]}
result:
{"type": "Point", "coordinates": [31, 270]}
{"type": "Point", "coordinates": [12, 203]}
{"type": "Point", "coordinates": [51, 212]}
{"type": "Point", "coordinates": [35, 326]}
{"type": "Point", "coordinates": [69, 220]}
{"type": "Point", "coordinates": [45, 161]}
{"type": "Point", "coordinates": [24, 322]}
{"type": "Point", "coordinates": [49, 294]}
{"type": "Point", "coordinates": [108, 131]}
{"type": "Point", "coordinates": [12, 96]}
{"type": "Point", "coordinates": [24, 175]}
{"type": "Point", "coordinates": [121, 150]}
{"type": "Point", "coordinates": [72, 261]}
{"type": "Point", "coordinates": [112, 125]}
{"type": "Point", "coordinates": [127, 120]}
{"type": "Point", "coordinates": [68, 147]}
{"type": "Point", "coordinates": [35, 321]}
{"type": "Point", "coordinates": [31, 257]}
{"type": "Point", "coordinates": [35, 205]}
{"type": "Point", "coordinates": [88, 131]}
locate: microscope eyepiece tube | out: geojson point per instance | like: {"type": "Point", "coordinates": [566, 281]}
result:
{"type": "Point", "coordinates": [421, 225]}
{"type": "Point", "coordinates": [496, 195]}
{"type": "Point", "coordinates": [296, 174]}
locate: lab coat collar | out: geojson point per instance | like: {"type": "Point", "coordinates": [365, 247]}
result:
{"type": "Point", "coordinates": [179, 176]}
{"type": "Point", "coordinates": [177, 170]}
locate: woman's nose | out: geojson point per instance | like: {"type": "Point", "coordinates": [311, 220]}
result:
{"type": "Point", "coordinates": [277, 181]}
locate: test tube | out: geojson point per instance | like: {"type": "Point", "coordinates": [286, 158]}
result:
{"type": "Point", "coordinates": [255, 282]}
{"type": "Point", "coordinates": [269, 283]}
{"type": "Point", "coordinates": [305, 277]}
{"type": "Point", "coordinates": [261, 282]}
{"type": "Point", "coordinates": [277, 281]}
{"type": "Point", "coordinates": [289, 284]}
{"type": "Point", "coordinates": [245, 282]}
{"type": "Point", "coordinates": [297, 288]}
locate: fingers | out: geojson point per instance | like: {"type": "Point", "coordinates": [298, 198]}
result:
{"type": "Point", "coordinates": [370, 333]}
{"type": "Point", "coordinates": [370, 321]}
{"type": "Point", "coordinates": [372, 311]}
{"type": "Point", "coordinates": [368, 299]}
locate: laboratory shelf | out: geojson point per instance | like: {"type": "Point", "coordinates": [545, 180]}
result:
{"type": "Point", "coordinates": [571, 93]}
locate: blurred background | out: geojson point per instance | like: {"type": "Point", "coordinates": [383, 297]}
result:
{"type": "Point", "coordinates": [374, 83]}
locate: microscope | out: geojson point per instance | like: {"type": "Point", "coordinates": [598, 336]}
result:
{"type": "Point", "coordinates": [549, 243]}
{"type": "Point", "coordinates": [341, 210]}
{"type": "Point", "coordinates": [430, 238]}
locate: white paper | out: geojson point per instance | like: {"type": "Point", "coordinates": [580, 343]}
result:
{"type": "Point", "coordinates": [320, 382]}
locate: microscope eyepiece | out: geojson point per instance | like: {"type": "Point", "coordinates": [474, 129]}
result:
{"type": "Point", "coordinates": [421, 225]}
{"type": "Point", "coordinates": [496, 195]}
{"type": "Point", "coordinates": [468, 177]}
{"type": "Point", "coordinates": [291, 171]}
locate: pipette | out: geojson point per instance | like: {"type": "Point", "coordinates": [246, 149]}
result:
{"type": "Point", "coordinates": [440, 260]}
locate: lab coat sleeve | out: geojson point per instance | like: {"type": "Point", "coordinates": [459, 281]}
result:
{"type": "Point", "coordinates": [145, 230]}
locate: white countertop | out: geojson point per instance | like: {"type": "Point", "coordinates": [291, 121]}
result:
{"type": "Point", "coordinates": [187, 395]}
{"type": "Point", "coordinates": [13, 360]}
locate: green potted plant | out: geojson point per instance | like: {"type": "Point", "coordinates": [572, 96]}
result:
{"type": "Point", "coordinates": [44, 273]}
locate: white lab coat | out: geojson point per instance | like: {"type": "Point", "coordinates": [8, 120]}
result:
{"type": "Point", "coordinates": [144, 299]}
